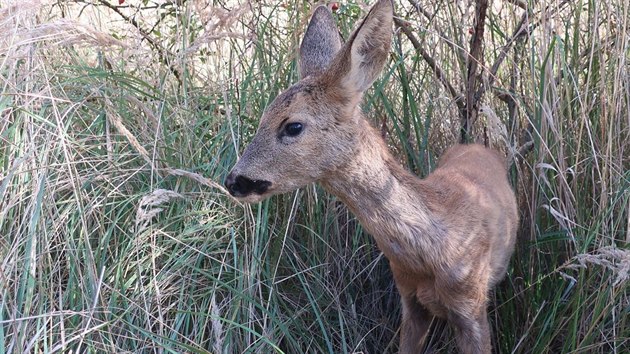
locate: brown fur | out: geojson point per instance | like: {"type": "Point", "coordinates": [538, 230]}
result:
{"type": "Point", "coordinates": [448, 238]}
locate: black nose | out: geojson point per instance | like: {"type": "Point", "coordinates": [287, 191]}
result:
{"type": "Point", "coordinates": [241, 186]}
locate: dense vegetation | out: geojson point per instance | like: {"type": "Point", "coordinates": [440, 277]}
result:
{"type": "Point", "coordinates": [120, 119]}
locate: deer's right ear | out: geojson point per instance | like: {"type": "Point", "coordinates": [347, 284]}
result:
{"type": "Point", "coordinates": [320, 44]}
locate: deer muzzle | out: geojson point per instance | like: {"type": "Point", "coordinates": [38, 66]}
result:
{"type": "Point", "coordinates": [240, 186]}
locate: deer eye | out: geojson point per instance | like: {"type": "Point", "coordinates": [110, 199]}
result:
{"type": "Point", "coordinates": [293, 129]}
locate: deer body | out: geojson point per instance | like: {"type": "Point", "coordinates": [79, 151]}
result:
{"type": "Point", "coordinates": [448, 237]}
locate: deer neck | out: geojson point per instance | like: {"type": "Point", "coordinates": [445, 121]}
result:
{"type": "Point", "coordinates": [389, 202]}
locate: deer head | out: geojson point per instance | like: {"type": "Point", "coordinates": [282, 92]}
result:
{"type": "Point", "coordinates": [311, 129]}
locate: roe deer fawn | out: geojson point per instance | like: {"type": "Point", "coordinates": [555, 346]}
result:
{"type": "Point", "coordinates": [448, 238]}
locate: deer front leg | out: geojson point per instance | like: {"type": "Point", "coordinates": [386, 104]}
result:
{"type": "Point", "coordinates": [416, 320]}
{"type": "Point", "coordinates": [472, 332]}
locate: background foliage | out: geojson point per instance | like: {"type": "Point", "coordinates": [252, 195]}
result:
{"type": "Point", "coordinates": [120, 119]}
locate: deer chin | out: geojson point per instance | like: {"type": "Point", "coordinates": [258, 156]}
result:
{"type": "Point", "coordinates": [257, 197]}
{"type": "Point", "coordinates": [253, 198]}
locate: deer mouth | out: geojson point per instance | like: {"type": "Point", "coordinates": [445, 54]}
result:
{"type": "Point", "coordinates": [242, 187]}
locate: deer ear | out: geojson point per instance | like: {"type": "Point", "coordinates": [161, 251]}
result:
{"type": "Point", "coordinates": [320, 44]}
{"type": "Point", "coordinates": [362, 58]}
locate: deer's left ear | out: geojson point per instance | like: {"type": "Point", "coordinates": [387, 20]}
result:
{"type": "Point", "coordinates": [320, 44]}
{"type": "Point", "coordinates": [361, 60]}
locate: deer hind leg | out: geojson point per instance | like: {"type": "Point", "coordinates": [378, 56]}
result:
{"type": "Point", "coordinates": [472, 332]}
{"type": "Point", "coordinates": [416, 320]}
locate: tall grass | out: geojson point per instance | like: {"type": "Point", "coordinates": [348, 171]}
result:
{"type": "Point", "coordinates": [119, 123]}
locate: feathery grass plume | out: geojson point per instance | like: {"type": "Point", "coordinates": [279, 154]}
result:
{"type": "Point", "coordinates": [615, 259]}
{"type": "Point", "coordinates": [149, 206]}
